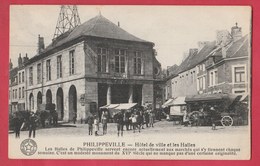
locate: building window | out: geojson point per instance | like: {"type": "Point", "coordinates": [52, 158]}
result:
{"type": "Point", "coordinates": [31, 76]}
{"type": "Point", "coordinates": [203, 82]}
{"type": "Point", "coordinates": [39, 73]}
{"type": "Point", "coordinates": [48, 70]}
{"type": "Point", "coordinates": [19, 93]}
{"type": "Point", "coordinates": [213, 78]}
{"type": "Point", "coordinates": [23, 76]}
{"type": "Point", "coordinates": [13, 94]}
{"type": "Point", "coordinates": [22, 92]}
{"type": "Point", "coordinates": [19, 78]}
{"type": "Point", "coordinates": [72, 62]}
{"type": "Point", "coordinates": [16, 93]}
{"type": "Point", "coordinates": [138, 63]}
{"type": "Point", "coordinates": [59, 67]}
{"type": "Point", "coordinates": [102, 60]}
{"type": "Point", "coordinates": [239, 73]}
{"type": "Point", "coordinates": [120, 56]}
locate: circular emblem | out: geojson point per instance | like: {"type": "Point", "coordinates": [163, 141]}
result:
{"type": "Point", "coordinates": [28, 147]}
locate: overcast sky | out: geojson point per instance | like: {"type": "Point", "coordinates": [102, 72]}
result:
{"type": "Point", "coordinates": [173, 29]}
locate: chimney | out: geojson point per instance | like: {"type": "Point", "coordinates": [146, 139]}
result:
{"type": "Point", "coordinates": [25, 59]}
{"type": "Point", "coordinates": [20, 61]}
{"type": "Point", "coordinates": [118, 24]}
{"type": "Point", "coordinates": [201, 44]}
{"type": "Point", "coordinates": [40, 44]}
{"type": "Point", "coordinates": [223, 38]}
{"type": "Point", "coordinates": [10, 65]}
{"type": "Point", "coordinates": [236, 32]}
{"type": "Point", "coordinates": [192, 51]}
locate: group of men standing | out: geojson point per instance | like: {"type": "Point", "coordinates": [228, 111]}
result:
{"type": "Point", "coordinates": [135, 120]}
{"type": "Point", "coordinates": [132, 120]}
{"type": "Point", "coordinates": [20, 122]}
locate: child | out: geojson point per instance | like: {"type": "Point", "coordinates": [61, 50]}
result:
{"type": "Point", "coordinates": [96, 123]}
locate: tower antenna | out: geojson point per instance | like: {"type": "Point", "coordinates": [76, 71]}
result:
{"type": "Point", "coordinates": [68, 19]}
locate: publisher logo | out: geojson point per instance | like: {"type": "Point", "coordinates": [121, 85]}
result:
{"type": "Point", "coordinates": [28, 147]}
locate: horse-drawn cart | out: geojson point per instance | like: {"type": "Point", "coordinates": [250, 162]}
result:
{"type": "Point", "coordinates": [222, 109]}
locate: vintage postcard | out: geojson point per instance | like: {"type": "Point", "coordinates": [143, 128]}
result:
{"type": "Point", "coordinates": [130, 82]}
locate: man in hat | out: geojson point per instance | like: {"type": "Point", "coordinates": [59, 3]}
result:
{"type": "Point", "coordinates": [32, 125]}
{"type": "Point", "coordinates": [120, 123]}
{"type": "Point", "coordinates": [90, 122]}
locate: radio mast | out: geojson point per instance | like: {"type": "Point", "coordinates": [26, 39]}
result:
{"type": "Point", "coordinates": [68, 19]}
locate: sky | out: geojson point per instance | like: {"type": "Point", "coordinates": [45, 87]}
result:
{"type": "Point", "coordinates": [173, 29]}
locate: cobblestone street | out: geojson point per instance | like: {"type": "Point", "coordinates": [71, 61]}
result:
{"type": "Point", "coordinates": [160, 128]}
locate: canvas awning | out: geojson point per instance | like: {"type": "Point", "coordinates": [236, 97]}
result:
{"type": "Point", "coordinates": [109, 106]}
{"type": "Point", "coordinates": [167, 103]}
{"type": "Point", "coordinates": [244, 97]}
{"type": "Point", "coordinates": [176, 101]}
{"type": "Point", "coordinates": [211, 97]}
{"type": "Point", "coordinates": [126, 106]}
{"type": "Point", "coordinates": [121, 106]}
{"type": "Point", "coordinates": [179, 101]}
{"type": "Point", "coordinates": [115, 108]}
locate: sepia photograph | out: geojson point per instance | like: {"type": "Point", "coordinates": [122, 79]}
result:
{"type": "Point", "coordinates": [130, 82]}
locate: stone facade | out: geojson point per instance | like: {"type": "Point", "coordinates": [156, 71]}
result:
{"type": "Point", "coordinates": [222, 66]}
{"type": "Point", "coordinates": [105, 71]}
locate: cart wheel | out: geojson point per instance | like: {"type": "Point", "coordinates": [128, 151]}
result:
{"type": "Point", "coordinates": [227, 121]}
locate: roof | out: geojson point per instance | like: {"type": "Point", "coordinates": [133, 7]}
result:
{"type": "Point", "coordinates": [173, 70]}
{"type": "Point", "coordinates": [13, 72]}
{"type": "Point", "coordinates": [239, 48]}
{"type": "Point", "coordinates": [98, 26]}
{"type": "Point", "coordinates": [194, 59]}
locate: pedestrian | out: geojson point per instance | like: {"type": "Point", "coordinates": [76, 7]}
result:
{"type": "Point", "coordinates": [55, 118]}
{"type": "Point", "coordinates": [146, 118]}
{"type": "Point", "coordinates": [141, 119]}
{"type": "Point", "coordinates": [213, 115]}
{"type": "Point", "coordinates": [32, 125]}
{"type": "Point", "coordinates": [151, 118]}
{"type": "Point", "coordinates": [90, 121]}
{"type": "Point", "coordinates": [134, 121]}
{"type": "Point", "coordinates": [74, 117]}
{"type": "Point", "coordinates": [17, 126]}
{"type": "Point", "coordinates": [104, 121]}
{"type": "Point", "coordinates": [119, 118]}
{"type": "Point", "coordinates": [96, 123]}
{"type": "Point", "coordinates": [138, 121]}
{"type": "Point", "coordinates": [126, 119]}
{"type": "Point", "coordinates": [185, 118]}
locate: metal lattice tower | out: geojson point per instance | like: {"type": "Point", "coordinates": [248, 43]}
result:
{"type": "Point", "coordinates": [68, 19]}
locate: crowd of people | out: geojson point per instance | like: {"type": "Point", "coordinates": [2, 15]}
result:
{"type": "Point", "coordinates": [127, 120]}
{"type": "Point", "coordinates": [28, 120]}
